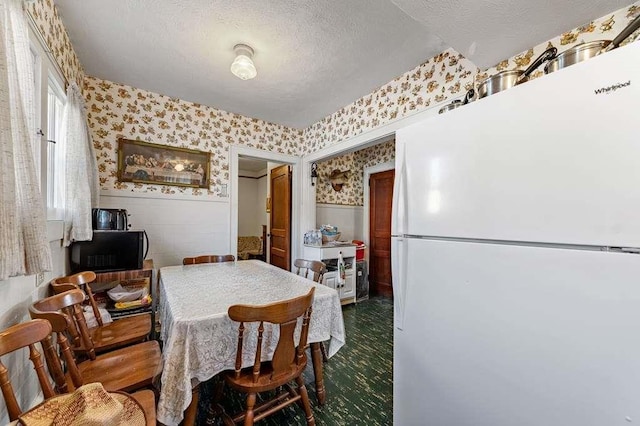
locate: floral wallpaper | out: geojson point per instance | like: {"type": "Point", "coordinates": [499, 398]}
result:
{"type": "Point", "coordinates": [50, 26]}
{"type": "Point", "coordinates": [445, 76]}
{"type": "Point", "coordinates": [352, 192]}
{"type": "Point", "coordinates": [604, 28]}
{"type": "Point", "coordinates": [116, 110]}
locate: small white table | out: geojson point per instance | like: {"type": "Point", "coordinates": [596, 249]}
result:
{"type": "Point", "coordinates": [199, 338]}
{"type": "Point", "coordinates": [329, 253]}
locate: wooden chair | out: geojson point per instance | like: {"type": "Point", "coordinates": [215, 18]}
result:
{"type": "Point", "coordinates": [106, 337]}
{"type": "Point", "coordinates": [212, 258]}
{"type": "Point", "coordinates": [125, 369]}
{"type": "Point", "coordinates": [287, 364]}
{"type": "Point", "coordinates": [28, 334]}
{"type": "Point", "coordinates": [311, 269]}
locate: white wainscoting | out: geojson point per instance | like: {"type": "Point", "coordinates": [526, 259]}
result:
{"type": "Point", "coordinates": [177, 228]}
{"type": "Point", "coordinates": [16, 294]}
{"type": "Point", "coordinates": [348, 219]}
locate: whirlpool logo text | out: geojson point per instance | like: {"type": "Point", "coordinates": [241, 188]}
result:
{"type": "Point", "coordinates": [612, 88]}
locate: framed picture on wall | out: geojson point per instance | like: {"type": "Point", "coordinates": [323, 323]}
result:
{"type": "Point", "coordinates": [145, 162]}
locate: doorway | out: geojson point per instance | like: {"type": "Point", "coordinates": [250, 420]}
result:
{"type": "Point", "coordinates": [380, 202]}
{"type": "Point", "coordinates": [253, 217]}
{"type": "Point", "coordinates": [272, 159]}
{"type": "Point", "coordinates": [349, 208]}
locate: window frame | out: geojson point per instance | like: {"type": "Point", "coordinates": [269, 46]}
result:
{"type": "Point", "coordinates": [51, 171]}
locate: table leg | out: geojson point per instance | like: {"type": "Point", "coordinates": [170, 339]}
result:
{"type": "Point", "coordinates": [316, 357]}
{"type": "Point", "coordinates": [192, 409]}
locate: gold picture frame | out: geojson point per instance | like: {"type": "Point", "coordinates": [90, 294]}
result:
{"type": "Point", "coordinates": [144, 162]}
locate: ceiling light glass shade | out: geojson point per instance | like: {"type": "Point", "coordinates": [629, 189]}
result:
{"type": "Point", "coordinates": [242, 67]}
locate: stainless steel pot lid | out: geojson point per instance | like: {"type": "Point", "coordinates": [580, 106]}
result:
{"type": "Point", "coordinates": [578, 53]}
{"type": "Point", "coordinates": [584, 51]}
{"type": "Point", "coordinates": [453, 105]}
{"type": "Point", "coordinates": [507, 79]}
{"type": "Point", "coordinates": [499, 82]}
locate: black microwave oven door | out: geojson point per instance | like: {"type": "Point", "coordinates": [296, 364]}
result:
{"type": "Point", "coordinates": [109, 251]}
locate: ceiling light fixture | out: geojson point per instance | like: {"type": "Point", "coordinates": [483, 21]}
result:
{"type": "Point", "coordinates": [242, 67]}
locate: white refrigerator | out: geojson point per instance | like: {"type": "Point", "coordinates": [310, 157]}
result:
{"type": "Point", "coordinates": [515, 255]}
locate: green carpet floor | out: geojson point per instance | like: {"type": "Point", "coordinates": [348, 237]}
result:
{"type": "Point", "coordinates": [358, 379]}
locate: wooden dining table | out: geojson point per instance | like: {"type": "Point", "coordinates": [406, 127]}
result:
{"type": "Point", "coordinates": [199, 338]}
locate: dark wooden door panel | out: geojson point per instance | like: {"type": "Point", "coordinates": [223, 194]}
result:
{"type": "Point", "coordinates": [381, 196]}
{"type": "Point", "coordinates": [280, 245]}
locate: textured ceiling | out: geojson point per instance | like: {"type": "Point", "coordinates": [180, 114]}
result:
{"type": "Point", "coordinates": [488, 31]}
{"type": "Point", "coordinates": [251, 164]}
{"type": "Point", "coordinates": [313, 57]}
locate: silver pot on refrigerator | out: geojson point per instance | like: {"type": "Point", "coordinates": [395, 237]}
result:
{"type": "Point", "coordinates": [507, 79]}
{"type": "Point", "coordinates": [469, 97]}
{"type": "Point", "coordinates": [583, 51]}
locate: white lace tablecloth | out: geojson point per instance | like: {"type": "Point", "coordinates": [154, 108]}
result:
{"type": "Point", "coordinates": [199, 338]}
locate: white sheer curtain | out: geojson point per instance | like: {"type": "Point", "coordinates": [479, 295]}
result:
{"type": "Point", "coordinates": [24, 246]}
{"type": "Point", "coordinates": [82, 185]}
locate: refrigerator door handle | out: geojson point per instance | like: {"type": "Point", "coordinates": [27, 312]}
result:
{"type": "Point", "coordinates": [398, 208]}
{"type": "Point", "coordinates": [398, 274]}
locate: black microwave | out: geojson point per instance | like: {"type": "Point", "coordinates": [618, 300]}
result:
{"type": "Point", "coordinates": [110, 251]}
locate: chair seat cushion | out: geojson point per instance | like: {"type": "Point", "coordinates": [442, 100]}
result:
{"type": "Point", "coordinates": [125, 369]}
{"type": "Point", "coordinates": [121, 332]}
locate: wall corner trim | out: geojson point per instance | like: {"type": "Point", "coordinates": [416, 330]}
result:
{"type": "Point", "coordinates": [162, 196]}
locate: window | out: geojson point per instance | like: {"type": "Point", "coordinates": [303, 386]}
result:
{"type": "Point", "coordinates": [55, 152]}
{"type": "Point", "coordinates": [49, 155]}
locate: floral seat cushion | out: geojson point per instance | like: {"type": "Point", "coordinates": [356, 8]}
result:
{"type": "Point", "coordinates": [248, 246]}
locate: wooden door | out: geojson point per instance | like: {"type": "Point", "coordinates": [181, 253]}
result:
{"type": "Point", "coordinates": [380, 200]}
{"type": "Point", "coordinates": [280, 241]}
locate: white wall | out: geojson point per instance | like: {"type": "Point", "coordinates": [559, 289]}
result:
{"type": "Point", "coordinates": [176, 227]}
{"type": "Point", "coordinates": [252, 197]}
{"type": "Point", "coordinates": [348, 219]}
{"type": "Point", "coordinates": [248, 215]}
{"type": "Point", "coordinates": [16, 294]}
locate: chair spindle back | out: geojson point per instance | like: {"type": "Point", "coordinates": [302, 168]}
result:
{"type": "Point", "coordinates": [284, 314]}
{"type": "Point", "coordinates": [62, 284]}
{"type": "Point", "coordinates": [24, 335]}
{"type": "Point", "coordinates": [55, 310]}
{"type": "Point", "coordinates": [310, 269]}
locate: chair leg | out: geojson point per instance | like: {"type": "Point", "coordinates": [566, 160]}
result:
{"type": "Point", "coordinates": [305, 401]}
{"type": "Point", "coordinates": [216, 403]}
{"type": "Point", "coordinates": [218, 390]}
{"type": "Point", "coordinates": [251, 402]}
{"type": "Point", "coordinates": [323, 349]}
